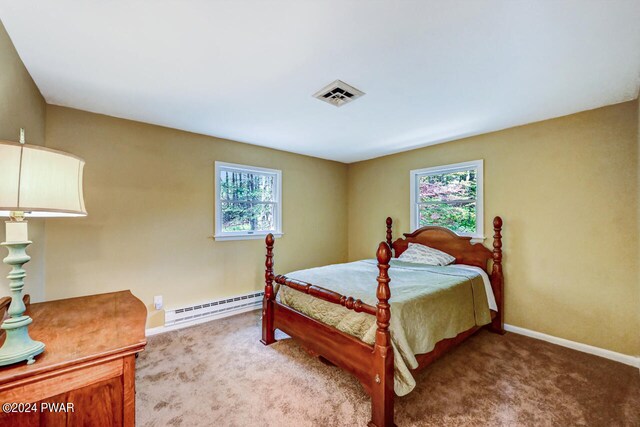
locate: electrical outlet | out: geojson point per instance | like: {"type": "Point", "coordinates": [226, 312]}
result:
{"type": "Point", "coordinates": [157, 302]}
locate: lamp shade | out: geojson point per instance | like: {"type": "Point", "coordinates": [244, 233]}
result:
{"type": "Point", "coordinates": [39, 181]}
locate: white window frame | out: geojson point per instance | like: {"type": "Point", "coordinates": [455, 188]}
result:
{"type": "Point", "coordinates": [247, 235]}
{"type": "Point", "coordinates": [437, 170]}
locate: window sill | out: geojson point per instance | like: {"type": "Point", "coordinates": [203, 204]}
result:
{"type": "Point", "coordinates": [254, 236]}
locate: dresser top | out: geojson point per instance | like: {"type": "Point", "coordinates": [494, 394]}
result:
{"type": "Point", "coordinates": [77, 330]}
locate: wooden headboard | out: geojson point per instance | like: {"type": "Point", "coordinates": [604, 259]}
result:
{"type": "Point", "coordinates": [447, 241]}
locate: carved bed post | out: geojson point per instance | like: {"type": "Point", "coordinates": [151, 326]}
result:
{"type": "Point", "coordinates": [389, 233]}
{"type": "Point", "coordinates": [382, 393]}
{"type": "Point", "coordinates": [267, 302]}
{"type": "Point", "coordinates": [497, 279]}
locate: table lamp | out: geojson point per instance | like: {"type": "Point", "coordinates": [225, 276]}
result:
{"type": "Point", "coordinates": [34, 182]}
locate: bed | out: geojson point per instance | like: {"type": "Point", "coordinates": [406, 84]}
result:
{"type": "Point", "coordinates": [384, 341]}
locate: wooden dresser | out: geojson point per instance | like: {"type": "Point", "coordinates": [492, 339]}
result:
{"type": "Point", "coordinates": [86, 375]}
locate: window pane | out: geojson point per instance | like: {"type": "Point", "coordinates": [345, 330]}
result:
{"type": "Point", "coordinates": [447, 186]}
{"type": "Point", "coordinates": [247, 217]}
{"type": "Point", "coordinates": [459, 217]}
{"type": "Point", "coordinates": [246, 186]}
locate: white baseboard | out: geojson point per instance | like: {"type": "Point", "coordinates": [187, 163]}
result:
{"type": "Point", "coordinates": [162, 329]}
{"type": "Point", "coordinates": [585, 348]}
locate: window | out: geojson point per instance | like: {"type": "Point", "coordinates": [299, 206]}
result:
{"type": "Point", "coordinates": [448, 196]}
{"type": "Point", "coordinates": [248, 202]}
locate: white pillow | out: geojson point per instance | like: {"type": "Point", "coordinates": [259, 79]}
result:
{"type": "Point", "coordinates": [421, 254]}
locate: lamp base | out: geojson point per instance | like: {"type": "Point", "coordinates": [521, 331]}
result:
{"type": "Point", "coordinates": [18, 345]}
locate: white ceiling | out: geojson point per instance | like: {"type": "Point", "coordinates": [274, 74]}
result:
{"type": "Point", "coordinates": [432, 71]}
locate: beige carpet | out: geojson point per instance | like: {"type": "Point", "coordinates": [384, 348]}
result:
{"type": "Point", "coordinates": [218, 374]}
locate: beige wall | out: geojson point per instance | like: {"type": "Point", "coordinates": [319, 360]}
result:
{"type": "Point", "coordinates": [21, 106]}
{"type": "Point", "coordinates": [567, 190]}
{"type": "Point", "coordinates": [150, 197]}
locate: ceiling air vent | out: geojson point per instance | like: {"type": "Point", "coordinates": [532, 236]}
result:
{"type": "Point", "coordinates": [338, 93]}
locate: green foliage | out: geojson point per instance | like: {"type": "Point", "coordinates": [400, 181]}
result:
{"type": "Point", "coordinates": [459, 218]}
{"type": "Point", "coordinates": [246, 201]}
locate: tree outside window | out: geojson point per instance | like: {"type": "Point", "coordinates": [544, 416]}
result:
{"type": "Point", "coordinates": [448, 196]}
{"type": "Point", "coordinates": [248, 201]}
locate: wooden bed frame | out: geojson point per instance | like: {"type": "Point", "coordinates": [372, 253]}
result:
{"type": "Point", "coordinates": [373, 365]}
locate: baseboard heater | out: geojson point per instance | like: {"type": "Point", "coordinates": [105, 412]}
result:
{"type": "Point", "coordinates": [213, 309]}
